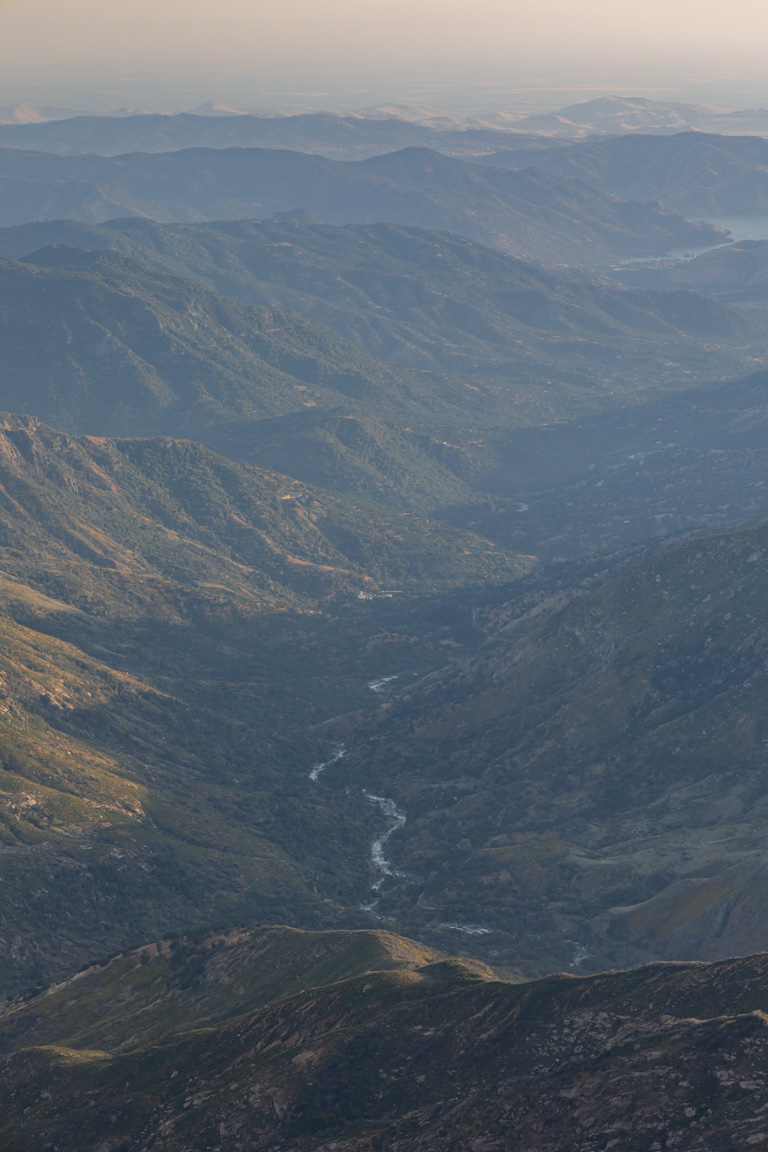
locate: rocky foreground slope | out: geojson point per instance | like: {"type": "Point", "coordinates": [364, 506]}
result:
{"type": "Point", "coordinates": [352, 1041]}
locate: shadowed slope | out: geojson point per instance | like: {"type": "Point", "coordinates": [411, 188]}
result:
{"type": "Point", "coordinates": [593, 789]}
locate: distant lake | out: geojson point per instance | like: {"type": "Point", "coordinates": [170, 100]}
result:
{"type": "Point", "coordinates": [740, 227]}
{"type": "Point", "coordinates": [743, 227]}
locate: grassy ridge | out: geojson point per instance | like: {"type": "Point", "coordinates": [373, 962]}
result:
{"type": "Point", "coordinates": [179, 985]}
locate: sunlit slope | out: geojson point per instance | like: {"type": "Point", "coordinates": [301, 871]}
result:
{"type": "Point", "coordinates": [99, 841]}
{"type": "Point", "coordinates": [169, 638]}
{"type": "Point", "coordinates": [177, 986]}
{"type": "Point", "coordinates": [383, 1045]}
{"type": "Point", "coordinates": [132, 519]}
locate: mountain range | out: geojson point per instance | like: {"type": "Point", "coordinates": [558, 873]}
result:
{"type": "Point", "coordinates": [329, 134]}
{"type": "Point", "coordinates": [617, 115]}
{"type": "Point", "coordinates": [101, 343]}
{"type": "Point", "coordinates": [528, 213]}
{"type": "Point", "coordinates": [428, 301]}
{"type": "Point", "coordinates": [171, 620]}
{"type": "Point", "coordinates": [366, 133]}
{"type": "Point", "coordinates": [698, 174]}
{"type": "Point", "coordinates": [154, 577]}
{"type": "Point", "coordinates": [382, 638]}
{"type": "Point", "coordinates": [122, 349]}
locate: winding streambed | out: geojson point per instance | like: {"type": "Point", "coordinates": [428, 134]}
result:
{"type": "Point", "coordinates": [467, 929]}
{"type": "Point", "coordinates": [378, 859]}
{"type": "Point", "coordinates": [383, 867]}
{"type": "Point", "coordinates": [380, 685]}
{"type": "Point", "coordinates": [338, 750]}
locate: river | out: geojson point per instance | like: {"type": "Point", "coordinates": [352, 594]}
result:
{"type": "Point", "coordinates": [378, 859]}
{"type": "Point", "coordinates": [396, 819]}
{"type": "Point", "coordinates": [338, 750]}
{"type": "Point", "coordinates": [380, 685]}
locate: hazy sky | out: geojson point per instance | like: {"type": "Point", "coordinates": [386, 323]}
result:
{"type": "Point", "coordinates": [73, 39]}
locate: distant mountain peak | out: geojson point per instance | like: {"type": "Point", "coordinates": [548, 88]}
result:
{"type": "Point", "coordinates": [211, 109]}
{"type": "Point", "coordinates": [26, 113]}
{"type": "Point", "coordinates": [423, 114]}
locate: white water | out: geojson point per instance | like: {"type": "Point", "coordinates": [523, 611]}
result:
{"type": "Point", "coordinates": [468, 929]}
{"type": "Point", "coordinates": [580, 954]}
{"type": "Point", "coordinates": [397, 819]}
{"type": "Point", "coordinates": [379, 685]}
{"type": "Point", "coordinates": [378, 859]}
{"type": "Point", "coordinates": [339, 750]}
{"type": "Point", "coordinates": [387, 806]}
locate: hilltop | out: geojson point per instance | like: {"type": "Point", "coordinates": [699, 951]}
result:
{"type": "Point", "coordinates": [617, 115]}
{"type": "Point", "coordinates": [178, 985]}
